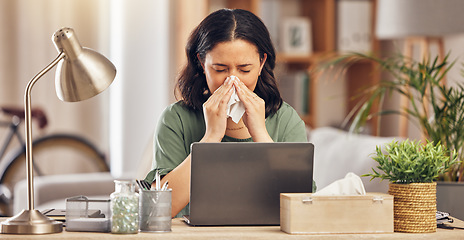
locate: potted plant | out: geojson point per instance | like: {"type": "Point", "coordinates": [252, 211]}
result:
{"type": "Point", "coordinates": [411, 167]}
{"type": "Point", "coordinates": [435, 107]}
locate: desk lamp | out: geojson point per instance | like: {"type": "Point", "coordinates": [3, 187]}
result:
{"type": "Point", "coordinates": [81, 73]}
{"type": "Point", "coordinates": [420, 22]}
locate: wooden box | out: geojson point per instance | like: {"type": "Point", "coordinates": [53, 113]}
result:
{"type": "Point", "coordinates": [302, 213]}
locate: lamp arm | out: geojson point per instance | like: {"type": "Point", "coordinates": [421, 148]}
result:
{"type": "Point", "coordinates": [28, 130]}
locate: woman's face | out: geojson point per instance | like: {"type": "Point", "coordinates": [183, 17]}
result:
{"type": "Point", "coordinates": [239, 58]}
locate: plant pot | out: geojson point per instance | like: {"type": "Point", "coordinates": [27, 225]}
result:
{"type": "Point", "coordinates": [414, 207]}
{"type": "Point", "coordinates": [450, 198]}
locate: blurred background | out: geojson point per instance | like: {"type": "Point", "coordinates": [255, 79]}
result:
{"type": "Point", "coordinates": [145, 40]}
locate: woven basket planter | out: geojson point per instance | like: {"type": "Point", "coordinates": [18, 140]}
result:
{"type": "Point", "coordinates": [414, 207]}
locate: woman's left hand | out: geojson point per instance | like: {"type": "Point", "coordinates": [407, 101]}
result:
{"type": "Point", "coordinates": [255, 113]}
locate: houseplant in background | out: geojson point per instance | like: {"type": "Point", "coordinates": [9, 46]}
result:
{"type": "Point", "coordinates": [436, 107]}
{"type": "Point", "coordinates": [411, 167]}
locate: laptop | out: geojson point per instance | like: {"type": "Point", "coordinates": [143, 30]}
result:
{"type": "Point", "coordinates": [240, 183]}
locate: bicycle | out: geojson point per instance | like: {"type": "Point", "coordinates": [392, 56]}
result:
{"type": "Point", "coordinates": [52, 154]}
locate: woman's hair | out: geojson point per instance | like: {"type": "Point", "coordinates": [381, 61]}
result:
{"type": "Point", "coordinates": [222, 26]}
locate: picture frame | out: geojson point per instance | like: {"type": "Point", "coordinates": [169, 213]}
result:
{"type": "Point", "coordinates": [296, 37]}
{"type": "Point", "coordinates": [354, 24]}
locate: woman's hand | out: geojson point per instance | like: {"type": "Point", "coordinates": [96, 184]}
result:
{"type": "Point", "coordinates": [255, 113]}
{"type": "Point", "coordinates": [215, 112]}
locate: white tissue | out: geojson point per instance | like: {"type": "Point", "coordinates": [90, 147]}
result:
{"type": "Point", "coordinates": [235, 108]}
{"type": "Point", "coordinates": [350, 185]}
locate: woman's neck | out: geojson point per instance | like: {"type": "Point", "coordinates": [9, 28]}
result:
{"type": "Point", "coordinates": [237, 130]}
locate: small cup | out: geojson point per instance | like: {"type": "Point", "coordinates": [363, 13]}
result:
{"type": "Point", "coordinates": [155, 210]}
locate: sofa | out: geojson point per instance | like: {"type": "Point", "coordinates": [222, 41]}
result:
{"type": "Point", "coordinates": [50, 192]}
{"type": "Point", "coordinates": [337, 152]}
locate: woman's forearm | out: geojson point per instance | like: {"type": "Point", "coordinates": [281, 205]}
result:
{"type": "Point", "coordinates": [179, 182]}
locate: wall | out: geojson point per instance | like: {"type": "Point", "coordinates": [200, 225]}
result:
{"type": "Point", "coordinates": [454, 46]}
{"type": "Point", "coordinates": [26, 27]}
{"type": "Point", "coordinates": [140, 49]}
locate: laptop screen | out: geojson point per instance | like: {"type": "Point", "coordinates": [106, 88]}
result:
{"type": "Point", "coordinates": [240, 183]}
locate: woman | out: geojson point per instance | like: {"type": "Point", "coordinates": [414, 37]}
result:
{"type": "Point", "coordinates": [226, 43]}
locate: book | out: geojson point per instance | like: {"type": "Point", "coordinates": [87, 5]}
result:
{"type": "Point", "coordinates": [294, 89]}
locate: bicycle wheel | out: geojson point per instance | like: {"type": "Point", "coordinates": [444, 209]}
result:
{"type": "Point", "coordinates": [55, 154]}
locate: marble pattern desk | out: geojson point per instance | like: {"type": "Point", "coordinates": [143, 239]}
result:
{"type": "Point", "coordinates": [182, 231]}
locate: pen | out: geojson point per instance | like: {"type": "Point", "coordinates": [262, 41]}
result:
{"type": "Point", "coordinates": [146, 184]}
{"type": "Point", "coordinates": [139, 184]}
{"type": "Point", "coordinates": [165, 186]}
{"type": "Point", "coordinates": [157, 179]}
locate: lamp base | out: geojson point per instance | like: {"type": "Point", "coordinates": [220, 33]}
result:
{"type": "Point", "coordinates": [31, 222]}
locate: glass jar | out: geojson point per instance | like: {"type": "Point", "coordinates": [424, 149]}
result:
{"type": "Point", "coordinates": [124, 208]}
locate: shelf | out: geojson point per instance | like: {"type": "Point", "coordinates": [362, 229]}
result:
{"type": "Point", "coordinates": [300, 62]}
{"type": "Point", "coordinates": [289, 59]}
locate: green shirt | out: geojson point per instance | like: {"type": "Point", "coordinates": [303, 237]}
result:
{"type": "Point", "coordinates": [179, 127]}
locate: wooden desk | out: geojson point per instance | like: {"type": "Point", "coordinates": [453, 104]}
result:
{"type": "Point", "coordinates": [182, 231]}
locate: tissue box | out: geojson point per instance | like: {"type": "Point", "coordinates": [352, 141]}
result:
{"type": "Point", "coordinates": [302, 213]}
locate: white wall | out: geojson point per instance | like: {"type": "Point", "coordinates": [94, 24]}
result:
{"type": "Point", "coordinates": [140, 52]}
{"type": "Point", "coordinates": [454, 45]}
{"type": "Point", "coordinates": [26, 27]}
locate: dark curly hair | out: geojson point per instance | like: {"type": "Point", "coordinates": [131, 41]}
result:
{"type": "Point", "coordinates": [222, 26]}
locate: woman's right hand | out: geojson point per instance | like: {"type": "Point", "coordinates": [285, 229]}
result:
{"type": "Point", "coordinates": [215, 112]}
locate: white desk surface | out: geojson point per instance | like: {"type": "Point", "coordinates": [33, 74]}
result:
{"type": "Point", "coordinates": [182, 231]}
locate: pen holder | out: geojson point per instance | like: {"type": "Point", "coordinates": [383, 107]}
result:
{"type": "Point", "coordinates": [155, 210]}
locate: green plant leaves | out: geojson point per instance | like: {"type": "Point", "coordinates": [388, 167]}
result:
{"type": "Point", "coordinates": [411, 161]}
{"type": "Point", "coordinates": [437, 108]}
